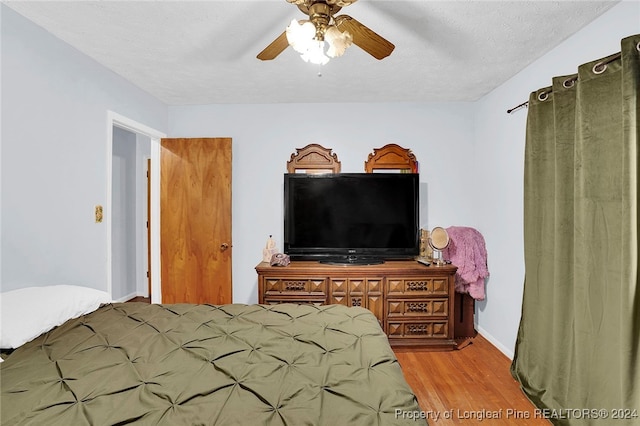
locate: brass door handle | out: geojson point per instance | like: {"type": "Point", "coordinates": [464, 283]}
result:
{"type": "Point", "coordinates": [224, 246]}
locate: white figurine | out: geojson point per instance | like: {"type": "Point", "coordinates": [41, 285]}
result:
{"type": "Point", "coordinates": [269, 250]}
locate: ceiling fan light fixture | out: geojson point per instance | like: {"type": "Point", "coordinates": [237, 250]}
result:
{"type": "Point", "coordinates": [316, 53]}
{"type": "Point", "coordinates": [316, 46]}
{"type": "Point", "coordinates": [300, 35]}
{"type": "Point", "coordinates": [338, 41]}
{"type": "Point", "coordinates": [338, 31]}
{"type": "Point", "coordinates": [303, 38]}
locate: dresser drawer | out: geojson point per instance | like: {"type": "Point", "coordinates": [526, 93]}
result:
{"type": "Point", "coordinates": [417, 307]}
{"type": "Point", "coordinates": [294, 286]}
{"type": "Point", "coordinates": [358, 291]}
{"type": "Point", "coordinates": [434, 329]}
{"type": "Point", "coordinates": [426, 286]}
{"type": "Point", "coordinates": [299, 300]}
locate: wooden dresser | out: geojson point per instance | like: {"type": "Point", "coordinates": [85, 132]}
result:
{"type": "Point", "coordinates": [414, 303]}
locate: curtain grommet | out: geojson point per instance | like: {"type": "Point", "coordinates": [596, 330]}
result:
{"type": "Point", "coordinates": [599, 68]}
{"type": "Point", "coordinates": [543, 96]}
{"type": "Point", "coordinates": [569, 83]}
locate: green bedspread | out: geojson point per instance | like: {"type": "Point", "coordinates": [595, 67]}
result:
{"type": "Point", "coordinates": [208, 365]}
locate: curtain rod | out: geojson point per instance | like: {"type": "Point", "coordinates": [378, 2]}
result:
{"type": "Point", "coordinates": [598, 68]}
{"type": "Point", "coordinates": [515, 108]}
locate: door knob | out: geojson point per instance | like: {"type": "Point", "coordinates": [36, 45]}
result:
{"type": "Point", "coordinates": [224, 246]}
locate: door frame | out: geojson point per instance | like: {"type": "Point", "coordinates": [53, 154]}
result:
{"type": "Point", "coordinates": [115, 119]}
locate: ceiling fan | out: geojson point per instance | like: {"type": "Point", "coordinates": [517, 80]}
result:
{"type": "Point", "coordinates": [324, 35]}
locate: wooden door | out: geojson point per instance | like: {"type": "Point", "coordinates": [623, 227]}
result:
{"type": "Point", "coordinates": [195, 220]}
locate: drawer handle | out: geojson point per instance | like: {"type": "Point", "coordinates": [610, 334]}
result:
{"type": "Point", "coordinates": [417, 286]}
{"type": "Point", "coordinates": [418, 329]}
{"type": "Point", "coordinates": [417, 307]}
{"type": "Point", "coordinates": [294, 286]}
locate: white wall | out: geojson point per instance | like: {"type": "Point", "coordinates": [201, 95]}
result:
{"type": "Point", "coordinates": [264, 137]}
{"type": "Point", "coordinates": [54, 156]}
{"type": "Point", "coordinates": [499, 147]}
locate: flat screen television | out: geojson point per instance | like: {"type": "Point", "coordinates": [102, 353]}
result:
{"type": "Point", "coordinates": [351, 218]}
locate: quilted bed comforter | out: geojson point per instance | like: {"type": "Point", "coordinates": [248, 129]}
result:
{"type": "Point", "coordinates": [208, 365]}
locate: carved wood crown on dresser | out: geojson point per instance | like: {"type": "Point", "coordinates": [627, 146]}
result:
{"type": "Point", "coordinates": [413, 302]}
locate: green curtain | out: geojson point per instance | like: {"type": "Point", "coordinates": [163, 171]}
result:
{"type": "Point", "coordinates": [577, 353]}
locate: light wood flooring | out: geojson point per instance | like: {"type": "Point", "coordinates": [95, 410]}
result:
{"type": "Point", "coordinates": [467, 386]}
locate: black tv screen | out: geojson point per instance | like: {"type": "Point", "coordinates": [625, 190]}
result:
{"type": "Point", "coordinates": [351, 217]}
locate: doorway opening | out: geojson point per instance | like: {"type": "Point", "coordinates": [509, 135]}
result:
{"type": "Point", "coordinates": [132, 209]}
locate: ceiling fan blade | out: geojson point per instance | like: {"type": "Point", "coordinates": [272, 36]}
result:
{"type": "Point", "coordinates": [364, 37]}
{"type": "Point", "coordinates": [276, 47]}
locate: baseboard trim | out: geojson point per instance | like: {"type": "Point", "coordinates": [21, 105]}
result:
{"type": "Point", "coordinates": [127, 297]}
{"type": "Point", "coordinates": [508, 352]}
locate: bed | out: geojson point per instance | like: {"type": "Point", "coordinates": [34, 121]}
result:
{"type": "Point", "coordinates": [136, 363]}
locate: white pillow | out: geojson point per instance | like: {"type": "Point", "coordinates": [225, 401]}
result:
{"type": "Point", "coordinates": [28, 312]}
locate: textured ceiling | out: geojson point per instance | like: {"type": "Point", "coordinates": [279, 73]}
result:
{"type": "Point", "coordinates": [204, 52]}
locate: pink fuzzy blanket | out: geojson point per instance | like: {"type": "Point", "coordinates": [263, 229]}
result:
{"type": "Point", "coordinates": [467, 251]}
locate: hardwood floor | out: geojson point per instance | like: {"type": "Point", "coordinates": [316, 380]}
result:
{"type": "Point", "coordinates": [469, 386]}
{"type": "Point", "coordinates": [140, 299]}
